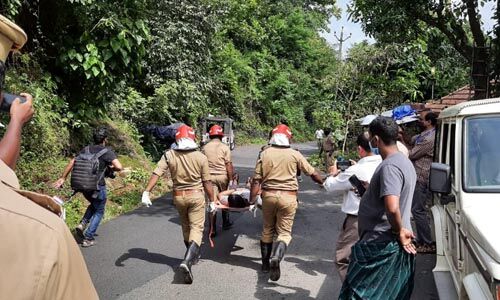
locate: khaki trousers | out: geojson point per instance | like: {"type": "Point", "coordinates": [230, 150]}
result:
{"type": "Point", "coordinates": [347, 238]}
{"type": "Point", "coordinates": [220, 183]}
{"type": "Point", "coordinates": [278, 212]}
{"type": "Point", "coordinates": [191, 209]}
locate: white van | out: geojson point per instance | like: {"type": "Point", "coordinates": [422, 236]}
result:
{"type": "Point", "coordinates": [465, 181]}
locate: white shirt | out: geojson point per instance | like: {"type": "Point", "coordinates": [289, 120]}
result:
{"type": "Point", "coordinates": [402, 148]}
{"type": "Point", "coordinates": [319, 134]}
{"type": "Point", "coordinates": [243, 192]}
{"type": "Point", "coordinates": [364, 170]}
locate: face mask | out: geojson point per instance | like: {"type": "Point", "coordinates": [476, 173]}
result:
{"type": "Point", "coordinates": [374, 150]}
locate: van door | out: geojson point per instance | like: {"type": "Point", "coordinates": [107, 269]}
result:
{"type": "Point", "coordinates": [452, 209]}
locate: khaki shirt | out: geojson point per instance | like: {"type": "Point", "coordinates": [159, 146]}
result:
{"type": "Point", "coordinates": [328, 144]}
{"type": "Point", "coordinates": [39, 257]}
{"type": "Point", "coordinates": [277, 168]}
{"type": "Point", "coordinates": [218, 155]}
{"type": "Point", "coordinates": [188, 168]}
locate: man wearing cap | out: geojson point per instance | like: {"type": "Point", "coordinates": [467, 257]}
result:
{"type": "Point", "coordinates": [190, 176]}
{"type": "Point", "coordinates": [40, 258]}
{"type": "Point", "coordinates": [276, 172]}
{"type": "Point", "coordinates": [220, 166]}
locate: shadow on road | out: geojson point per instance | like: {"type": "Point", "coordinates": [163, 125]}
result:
{"type": "Point", "coordinates": [144, 254]}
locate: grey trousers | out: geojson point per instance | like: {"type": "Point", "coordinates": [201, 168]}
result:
{"type": "Point", "coordinates": [420, 214]}
{"type": "Point", "coordinates": [347, 238]}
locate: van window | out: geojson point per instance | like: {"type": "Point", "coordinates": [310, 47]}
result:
{"type": "Point", "coordinates": [481, 154]}
{"type": "Point", "coordinates": [451, 161]}
{"type": "Point", "coordinates": [444, 145]}
{"type": "Point", "coordinates": [437, 146]}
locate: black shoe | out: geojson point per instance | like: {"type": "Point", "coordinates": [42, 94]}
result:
{"type": "Point", "coordinates": [277, 256]}
{"type": "Point", "coordinates": [226, 223]}
{"type": "Point", "coordinates": [191, 254]}
{"type": "Point", "coordinates": [265, 250]}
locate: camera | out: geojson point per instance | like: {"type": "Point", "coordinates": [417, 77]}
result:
{"type": "Point", "coordinates": [8, 99]}
{"type": "Point", "coordinates": [109, 173]}
{"type": "Point", "coordinates": [342, 165]}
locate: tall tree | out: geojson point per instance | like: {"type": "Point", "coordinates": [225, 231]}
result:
{"type": "Point", "coordinates": [459, 21]}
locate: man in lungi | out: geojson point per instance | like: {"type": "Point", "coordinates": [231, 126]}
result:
{"type": "Point", "coordinates": [382, 262]}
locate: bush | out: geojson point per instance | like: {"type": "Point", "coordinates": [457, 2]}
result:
{"type": "Point", "coordinates": [46, 135]}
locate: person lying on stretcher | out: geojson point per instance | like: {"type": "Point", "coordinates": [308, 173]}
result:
{"type": "Point", "coordinates": [236, 197]}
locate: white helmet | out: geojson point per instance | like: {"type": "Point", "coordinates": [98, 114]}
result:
{"type": "Point", "coordinates": [367, 120]}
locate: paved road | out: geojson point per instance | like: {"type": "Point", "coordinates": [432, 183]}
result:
{"type": "Point", "coordinates": [137, 254]}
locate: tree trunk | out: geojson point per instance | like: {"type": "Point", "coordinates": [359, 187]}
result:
{"type": "Point", "coordinates": [480, 58]}
{"type": "Point", "coordinates": [480, 73]}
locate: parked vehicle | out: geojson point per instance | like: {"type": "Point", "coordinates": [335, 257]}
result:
{"type": "Point", "coordinates": [465, 181]}
{"type": "Point", "coordinates": [225, 123]}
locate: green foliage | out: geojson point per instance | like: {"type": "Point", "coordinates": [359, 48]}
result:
{"type": "Point", "coordinates": [459, 22]}
{"type": "Point", "coordinates": [316, 161]}
{"type": "Point", "coordinates": [10, 8]}
{"type": "Point", "coordinates": [47, 134]}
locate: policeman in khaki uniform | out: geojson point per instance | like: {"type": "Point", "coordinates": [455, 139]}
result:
{"type": "Point", "coordinates": [221, 167]}
{"type": "Point", "coordinates": [275, 173]}
{"type": "Point", "coordinates": [190, 176]}
{"type": "Point", "coordinates": [328, 149]}
{"type": "Point", "coordinates": [39, 257]}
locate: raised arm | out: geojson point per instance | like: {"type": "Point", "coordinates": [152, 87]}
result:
{"type": "Point", "coordinates": [20, 113]}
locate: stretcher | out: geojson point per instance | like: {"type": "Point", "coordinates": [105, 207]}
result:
{"type": "Point", "coordinates": [251, 208]}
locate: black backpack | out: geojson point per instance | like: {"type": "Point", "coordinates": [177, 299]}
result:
{"type": "Point", "coordinates": [85, 175]}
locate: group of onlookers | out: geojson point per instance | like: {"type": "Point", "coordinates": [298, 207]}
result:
{"type": "Point", "coordinates": [395, 171]}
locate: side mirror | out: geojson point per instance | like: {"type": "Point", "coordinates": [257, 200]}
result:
{"type": "Point", "coordinates": [440, 178]}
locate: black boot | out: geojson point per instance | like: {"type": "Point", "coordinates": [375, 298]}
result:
{"type": "Point", "coordinates": [226, 223]}
{"type": "Point", "coordinates": [197, 258]}
{"type": "Point", "coordinates": [277, 256]}
{"type": "Point", "coordinates": [265, 250]}
{"type": "Point", "coordinates": [191, 254]}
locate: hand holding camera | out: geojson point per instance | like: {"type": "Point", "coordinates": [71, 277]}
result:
{"type": "Point", "coordinates": [8, 99]}
{"type": "Point", "coordinates": [343, 164]}
{"type": "Point", "coordinates": [20, 111]}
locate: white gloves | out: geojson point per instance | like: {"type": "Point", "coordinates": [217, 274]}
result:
{"type": "Point", "coordinates": [145, 200]}
{"type": "Point", "coordinates": [211, 207]}
{"type": "Point", "coordinates": [258, 200]}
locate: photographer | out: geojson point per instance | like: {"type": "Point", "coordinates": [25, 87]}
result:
{"type": "Point", "coordinates": [39, 259]}
{"type": "Point", "coordinates": [339, 181]}
{"type": "Point", "coordinates": [97, 198]}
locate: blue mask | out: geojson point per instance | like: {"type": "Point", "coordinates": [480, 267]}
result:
{"type": "Point", "coordinates": [373, 149]}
